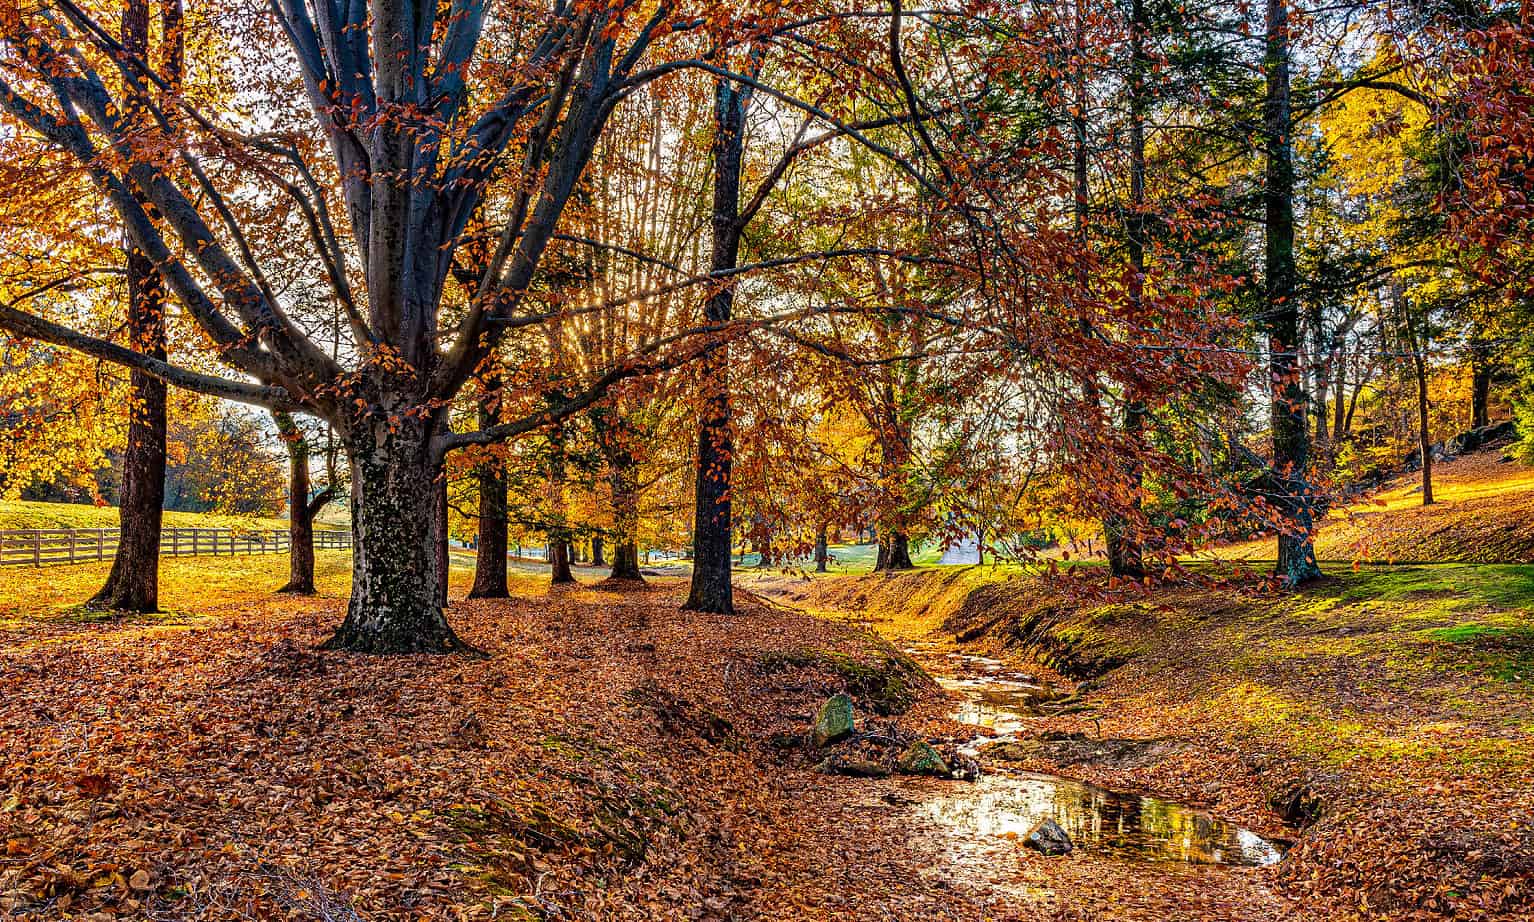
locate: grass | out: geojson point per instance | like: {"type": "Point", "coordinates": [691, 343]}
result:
{"type": "Point", "coordinates": [28, 514]}
{"type": "Point", "coordinates": [1483, 513]}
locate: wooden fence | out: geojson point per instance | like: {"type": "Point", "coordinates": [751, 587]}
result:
{"type": "Point", "coordinates": [41, 547]}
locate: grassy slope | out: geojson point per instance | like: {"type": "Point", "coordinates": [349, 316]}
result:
{"type": "Point", "coordinates": [23, 514]}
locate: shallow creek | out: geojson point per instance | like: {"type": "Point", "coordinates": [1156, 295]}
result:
{"type": "Point", "coordinates": [1005, 803]}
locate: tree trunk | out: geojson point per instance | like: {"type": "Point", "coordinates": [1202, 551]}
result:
{"type": "Point", "coordinates": [1125, 553]}
{"type": "Point", "coordinates": [1480, 382]}
{"type": "Point", "coordinates": [395, 604]}
{"type": "Point", "coordinates": [894, 553]}
{"type": "Point", "coordinates": [598, 558]}
{"type": "Point", "coordinates": [1424, 434]}
{"type": "Point", "coordinates": [1339, 391]}
{"type": "Point", "coordinates": [443, 559]}
{"type": "Point", "coordinates": [134, 582]}
{"type": "Point", "coordinates": [821, 553]}
{"type": "Point", "coordinates": [559, 536]}
{"type": "Point", "coordinates": [1126, 556]}
{"type": "Point", "coordinates": [300, 519]}
{"type": "Point", "coordinates": [490, 542]}
{"type": "Point", "coordinates": [559, 562]}
{"type": "Point", "coordinates": [712, 526]}
{"type": "Point", "coordinates": [626, 561]}
{"type": "Point", "coordinates": [1296, 550]}
{"type": "Point", "coordinates": [626, 518]}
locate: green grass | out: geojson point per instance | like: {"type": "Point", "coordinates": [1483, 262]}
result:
{"type": "Point", "coordinates": [26, 514]}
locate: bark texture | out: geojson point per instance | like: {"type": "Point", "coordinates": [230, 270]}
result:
{"type": "Point", "coordinates": [713, 526]}
{"type": "Point", "coordinates": [1291, 449]}
{"type": "Point", "coordinates": [894, 553]}
{"type": "Point", "coordinates": [490, 544]}
{"type": "Point", "coordinates": [395, 604]}
{"type": "Point", "coordinates": [1125, 551]}
{"type": "Point", "coordinates": [301, 508]}
{"type": "Point", "coordinates": [134, 581]}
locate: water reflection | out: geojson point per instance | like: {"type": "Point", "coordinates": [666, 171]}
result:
{"type": "Point", "coordinates": [999, 705]}
{"type": "Point", "coordinates": [1097, 819]}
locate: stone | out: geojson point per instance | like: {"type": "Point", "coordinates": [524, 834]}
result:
{"type": "Point", "coordinates": [834, 721]}
{"type": "Point", "coordinates": [920, 758]}
{"type": "Point", "coordinates": [1049, 840]}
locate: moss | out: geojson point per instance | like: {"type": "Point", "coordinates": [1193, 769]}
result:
{"type": "Point", "coordinates": [1503, 651]}
{"type": "Point", "coordinates": [888, 683]}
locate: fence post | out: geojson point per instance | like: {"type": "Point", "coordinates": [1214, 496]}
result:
{"type": "Point", "coordinates": [101, 540]}
{"type": "Point", "coordinates": [37, 548]}
{"type": "Point", "coordinates": [71, 545]}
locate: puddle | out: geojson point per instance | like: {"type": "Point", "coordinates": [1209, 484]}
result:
{"type": "Point", "coordinates": [1097, 819]}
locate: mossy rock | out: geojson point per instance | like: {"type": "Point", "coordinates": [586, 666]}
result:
{"type": "Point", "coordinates": [921, 758]}
{"type": "Point", "coordinates": [834, 721]}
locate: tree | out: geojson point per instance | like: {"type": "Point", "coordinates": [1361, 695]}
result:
{"type": "Point", "coordinates": [133, 584]}
{"type": "Point", "coordinates": [490, 545]}
{"type": "Point", "coordinates": [712, 523]}
{"type": "Point", "coordinates": [389, 85]}
{"type": "Point", "coordinates": [303, 503]}
{"type": "Point", "coordinates": [1281, 311]}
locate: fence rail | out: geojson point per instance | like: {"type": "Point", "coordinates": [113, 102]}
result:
{"type": "Point", "coordinates": [42, 547]}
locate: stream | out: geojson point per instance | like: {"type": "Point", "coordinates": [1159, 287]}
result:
{"type": "Point", "coordinates": [1005, 703]}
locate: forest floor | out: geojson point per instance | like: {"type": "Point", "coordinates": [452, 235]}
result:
{"type": "Point", "coordinates": [610, 757]}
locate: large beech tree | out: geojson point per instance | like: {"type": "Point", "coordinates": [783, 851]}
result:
{"type": "Point", "coordinates": [424, 135]}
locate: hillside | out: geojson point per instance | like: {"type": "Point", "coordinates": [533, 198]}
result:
{"type": "Point", "coordinates": [1484, 513]}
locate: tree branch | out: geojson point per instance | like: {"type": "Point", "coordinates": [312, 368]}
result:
{"type": "Point", "coordinates": [34, 327]}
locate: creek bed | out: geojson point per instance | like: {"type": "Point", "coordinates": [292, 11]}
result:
{"type": "Point", "coordinates": [1099, 820]}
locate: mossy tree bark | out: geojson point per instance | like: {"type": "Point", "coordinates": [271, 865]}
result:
{"type": "Point", "coordinates": [396, 601]}
{"type": "Point", "coordinates": [1291, 448]}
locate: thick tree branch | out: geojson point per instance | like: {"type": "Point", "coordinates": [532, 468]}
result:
{"type": "Point", "coordinates": [34, 327]}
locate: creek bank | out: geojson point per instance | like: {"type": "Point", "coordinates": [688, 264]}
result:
{"type": "Point", "coordinates": [1364, 710]}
